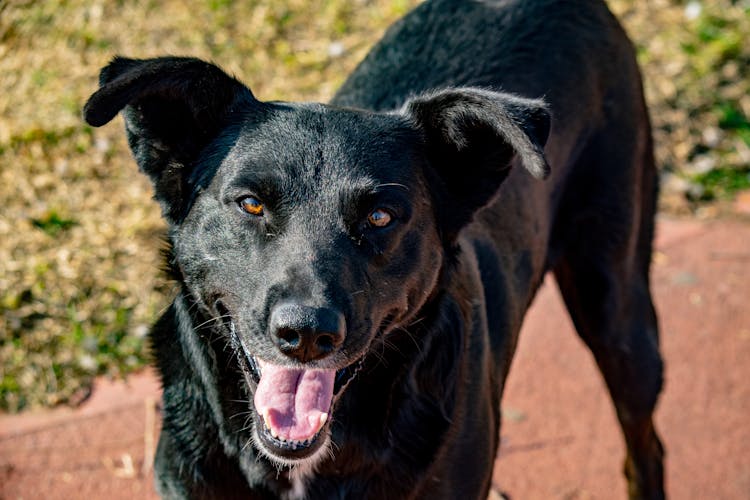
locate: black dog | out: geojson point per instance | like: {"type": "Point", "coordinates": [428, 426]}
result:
{"type": "Point", "coordinates": [354, 275]}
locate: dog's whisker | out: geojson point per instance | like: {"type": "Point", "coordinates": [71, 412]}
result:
{"type": "Point", "coordinates": [416, 321]}
{"type": "Point", "coordinates": [212, 320]}
{"type": "Point", "coordinates": [245, 427]}
{"type": "Point", "coordinates": [411, 336]}
{"type": "Point", "coordinates": [241, 414]}
{"type": "Point", "coordinates": [201, 325]}
{"type": "Point", "coordinates": [330, 453]}
{"type": "Point", "coordinates": [219, 338]}
{"type": "Point", "coordinates": [193, 306]}
{"type": "Point", "coordinates": [393, 184]}
{"type": "Point", "coordinates": [248, 443]}
{"type": "Point", "coordinates": [163, 310]}
{"type": "Point", "coordinates": [232, 357]}
{"type": "Point", "coordinates": [386, 343]}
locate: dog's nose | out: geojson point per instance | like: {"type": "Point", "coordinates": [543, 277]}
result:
{"type": "Point", "coordinates": [307, 333]}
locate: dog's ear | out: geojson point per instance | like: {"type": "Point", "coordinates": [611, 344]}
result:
{"type": "Point", "coordinates": [472, 137]}
{"type": "Point", "coordinates": [173, 108]}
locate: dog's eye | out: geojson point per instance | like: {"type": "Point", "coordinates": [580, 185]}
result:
{"type": "Point", "coordinates": [251, 205]}
{"type": "Point", "coordinates": [379, 218]}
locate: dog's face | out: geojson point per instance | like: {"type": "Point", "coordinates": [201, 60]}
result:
{"type": "Point", "coordinates": [306, 232]}
{"type": "Point", "coordinates": [314, 235]}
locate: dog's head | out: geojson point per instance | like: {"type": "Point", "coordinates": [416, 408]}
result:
{"type": "Point", "coordinates": [303, 231]}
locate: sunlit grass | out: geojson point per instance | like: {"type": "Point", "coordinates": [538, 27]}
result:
{"type": "Point", "coordinates": [79, 232]}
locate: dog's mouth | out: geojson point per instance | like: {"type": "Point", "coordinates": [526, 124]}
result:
{"type": "Point", "coordinates": [292, 405]}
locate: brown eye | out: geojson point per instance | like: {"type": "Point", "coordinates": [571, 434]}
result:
{"type": "Point", "coordinates": [379, 218]}
{"type": "Point", "coordinates": [251, 205]}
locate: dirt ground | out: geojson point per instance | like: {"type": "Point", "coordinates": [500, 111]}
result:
{"type": "Point", "coordinates": [560, 438]}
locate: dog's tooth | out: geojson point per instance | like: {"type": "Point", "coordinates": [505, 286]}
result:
{"type": "Point", "coordinates": [273, 432]}
{"type": "Point", "coordinates": [266, 416]}
{"type": "Point", "coordinates": [317, 421]}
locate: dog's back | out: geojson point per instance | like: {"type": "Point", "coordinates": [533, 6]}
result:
{"type": "Point", "coordinates": [577, 58]}
{"type": "Point", "coordinates": [568, 52]}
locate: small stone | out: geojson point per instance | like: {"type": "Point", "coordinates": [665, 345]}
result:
{"type": "Point", "coordinates": [693, 10]}
{"type": "Point", "coordinates": [102, 144]}
{"type": "Point", "coordinates": [685, 278]}
{"type": "Point", "coordinates": [695, 191]}
{"type": "Point", "coordinates": [701, 165]}
{"type": "Point", "coordinates": [88, 363]}
{"type": "Point", "coordinates": [671, 183]}
{"type": "Point", "coordinates": [711, 136]}
{"type": "Point", "coordinates": [140, 331]}
{"type": "Point", "coordinates": [335, 49]}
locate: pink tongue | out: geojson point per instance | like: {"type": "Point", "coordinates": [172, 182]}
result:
{"type": "Point", "coordinates": [294, 403]}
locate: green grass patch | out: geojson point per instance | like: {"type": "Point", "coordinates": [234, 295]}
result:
{"type": "Point", "coordinates": [731, 116]}
{"type": "Point", "coordinates": [722, 182]}
{"type": "Point", "coordinates": [53, 223]}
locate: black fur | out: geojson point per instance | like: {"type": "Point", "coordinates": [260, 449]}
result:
{"type": "Point", "coordinates": [428, 131]}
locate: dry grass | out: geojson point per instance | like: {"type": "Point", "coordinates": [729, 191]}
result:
{"type": "Point", "coordinates": [79, 233]}
{"type": "Point", "coordinates": [696, 64]}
